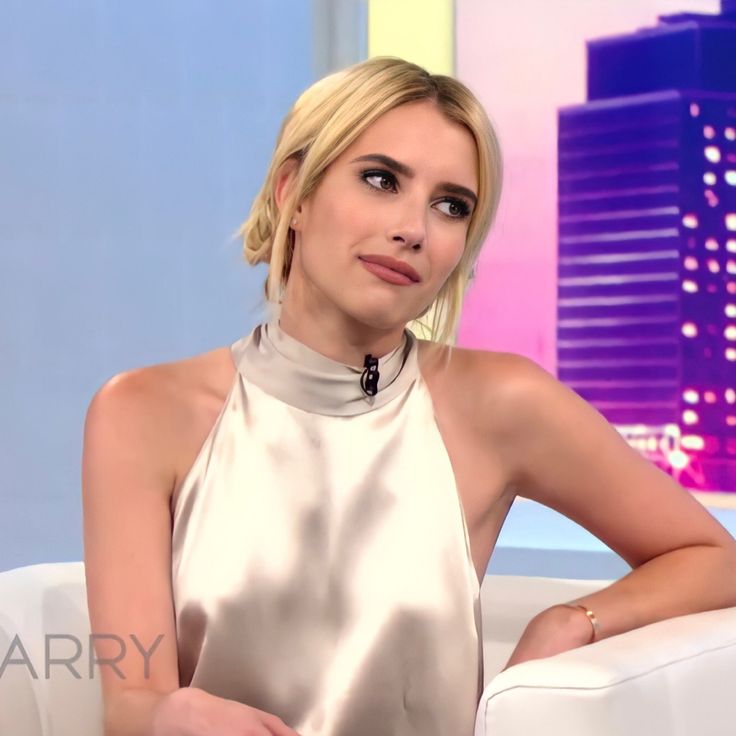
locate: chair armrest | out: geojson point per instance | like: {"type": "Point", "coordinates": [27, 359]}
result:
{"type": "Point", "coordinates": [671, 678]}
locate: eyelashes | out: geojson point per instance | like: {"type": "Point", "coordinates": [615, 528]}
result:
{"type": "Point", "coordinates": [460, 205]}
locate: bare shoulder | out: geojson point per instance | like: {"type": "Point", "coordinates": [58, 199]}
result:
{"type": "Point", "coordinates": [165, 393]}
{"type": "Point", "coordinates": [160, 412]}
{"type": "Point", "coordinates": [519, 402]}
{"type": "Point", "coordinates": [487, 396]}
{"type": "Point", "coordinates": [493, 386]}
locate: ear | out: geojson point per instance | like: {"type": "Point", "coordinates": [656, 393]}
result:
{"type": "Point", "coordinates": [284, 181]}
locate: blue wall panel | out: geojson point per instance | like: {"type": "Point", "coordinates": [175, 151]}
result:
{"type": "Point", "coordinates": [133, 137]}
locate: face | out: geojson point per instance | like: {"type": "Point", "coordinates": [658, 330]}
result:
{"type": "Point", "coordinates": [404, 190]}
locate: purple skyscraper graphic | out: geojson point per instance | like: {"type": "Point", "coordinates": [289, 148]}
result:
{"type": "Point", "coordinates": [647, 243]}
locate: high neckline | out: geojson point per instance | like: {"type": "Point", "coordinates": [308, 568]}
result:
{"type": "Point", "coordinates": [286, 368]}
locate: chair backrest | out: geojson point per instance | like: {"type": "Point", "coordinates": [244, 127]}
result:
{"type": "Point", "coordinates": [47, 686]}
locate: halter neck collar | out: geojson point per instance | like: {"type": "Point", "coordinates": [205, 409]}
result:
{"type": "Point", "coordinates": [291, 371]}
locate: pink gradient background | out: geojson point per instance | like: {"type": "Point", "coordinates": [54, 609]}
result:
{"type": "Point", "coordinates": [524, 60]}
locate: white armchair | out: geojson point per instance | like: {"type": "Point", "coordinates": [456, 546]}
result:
{"type": "Point", "coordinates": [37, 603]}
{"type": "Point", "coordinates": [674, 678]}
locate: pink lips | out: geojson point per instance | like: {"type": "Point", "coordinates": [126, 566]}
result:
{"type": "Point", "coordinates": [391, 269]}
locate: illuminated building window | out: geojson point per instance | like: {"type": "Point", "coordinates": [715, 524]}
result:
{"type": "Point", "coordinates": [709, 178]}
{"type": "Point", "coordinates": [731, 266]}
{"type": "Point", "coordinates": [710, 397]}
{"type": "Point", "coordinates": [678, 459]}
{"type": "Point", "coordinates": [690, 329]}
{"type": "Point", "coordinates": [730, 310]}
{"type": "Point", "coordinates": [730, 395]}
{"type": "Point", "coordinates": [690, 417]}
{"type": "Point", "coordinates": [731, 420]}
{"type": "Point", "coordinates": [694, 109]}
{"type": "Point", "coordinates": [689, 286]}
{"type": "Point", "coordinates": [691, 263]}
{"type": "Point", "coordinates": [693, 442]}
{"type": "Point", "coordinates": [711, 198]}
{"type": "Point", "coordinates": [730, 332]}
{"type": "Point", "coordinates": [691, 221]}
{"type": "Point", "coordinates": [731, 287]}
{"type": "Point", "coordinates": [713, 154]}
{"type": "Point", "coordinates": [711, 244]}
{"type": "Point", "coordinates": [730, 133]}
{"type": "Point", "coordinates": [709, 132]}
{"type": "Point", "coordinates": [731, 245]}
{"type": "Point", "coordinates": [713, 265]}
{"type": "Point", "coordinates": [731, 221]}
{"type": "Point", "coordinates": [691, 396]}
{"type": "Point", "coordinates": [730, 177]}
{"type": "Point", "coordinates": [731, 354]}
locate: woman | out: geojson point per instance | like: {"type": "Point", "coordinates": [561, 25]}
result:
{"type": "Point", "coordinates": [295, 527]}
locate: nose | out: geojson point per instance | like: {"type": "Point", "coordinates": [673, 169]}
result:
{"type": "Point", "coordinates": [411, 228]}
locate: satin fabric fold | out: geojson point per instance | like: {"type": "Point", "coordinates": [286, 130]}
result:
{"type": "Point", "coordinates": [321, 563]}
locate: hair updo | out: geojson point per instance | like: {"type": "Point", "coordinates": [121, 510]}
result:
{"type": "Point", "coordinates": [326, 119]}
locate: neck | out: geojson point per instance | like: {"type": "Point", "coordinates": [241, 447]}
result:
{"type": "Point", "coordinates": [339, 336]}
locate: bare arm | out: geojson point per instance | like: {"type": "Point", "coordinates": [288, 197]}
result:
{"type": "Point", "coordinates": [565, 455]}
{"type": "Point", "coordinates": [127, 479]}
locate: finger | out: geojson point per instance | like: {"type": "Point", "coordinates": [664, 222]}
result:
{"type": "Point", "coordinates": [276, 726]}
{"type": "Point", "coordinates": [260, 730]}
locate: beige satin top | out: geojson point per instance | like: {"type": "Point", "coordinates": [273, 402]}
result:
{"type": "Point", "coordinates": [321, 562]}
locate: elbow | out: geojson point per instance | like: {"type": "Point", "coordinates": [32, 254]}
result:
{"type": "Point", "coordinates": [731, 571]}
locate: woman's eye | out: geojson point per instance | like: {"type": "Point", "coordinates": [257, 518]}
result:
{"type": "Point", "coordinates": [381, 176]}
{"type": "Point", "coordinates": [457, 209]}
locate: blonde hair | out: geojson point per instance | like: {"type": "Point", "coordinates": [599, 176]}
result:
{"type": "Point", "coordinates": [326, 119]}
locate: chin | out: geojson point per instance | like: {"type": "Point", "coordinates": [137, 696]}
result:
{"type": "Point", "coordinates": [383, 318]}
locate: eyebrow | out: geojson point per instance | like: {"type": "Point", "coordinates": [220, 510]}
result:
{"type": "Point", "coordinates": [408, 172]}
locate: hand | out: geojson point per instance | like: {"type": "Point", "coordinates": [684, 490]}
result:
{"type": "Point", "coordinates": [194, 712]}
{"type": "Point", "coordinates": [550, 632]}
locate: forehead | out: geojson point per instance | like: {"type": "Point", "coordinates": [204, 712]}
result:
{"type": "Point", "coordinates": [419, 135]}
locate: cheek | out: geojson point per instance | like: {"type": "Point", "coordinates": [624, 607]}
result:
{"type": "Point", "coordinates": [353, 218]}
{"type": "Point", "coordinates": [341, 234]}
{"type": "Point", "coordinates": [329, 232]}
{"type": "Point", "coordinates": [337, 218]}
{"type": "Point", "coordinates": [452, 252]}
